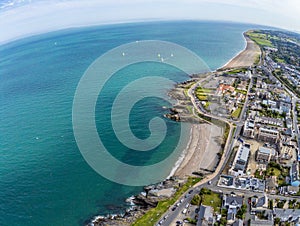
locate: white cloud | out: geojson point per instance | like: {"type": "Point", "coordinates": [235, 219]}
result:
{"type": "Point", "coordinates": [24, 18]}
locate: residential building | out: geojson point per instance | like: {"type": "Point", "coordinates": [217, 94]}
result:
{"type": "Point", "coordinates": [238, 222]}
{"type": "Point", "coordinates": [290, 190]}
{"type": "Point", "coordinates": [248, 130]}
{"type": "Point", "coordinates": [232, 203]}
{"type": "Point", "coordinates": [265, 155]}
{"type": "Point", "coordinates": [240, 161]}
{"type": "Point", "coordinates": [267, 221]}
{"type": "Point", "coordinates": [206, 216]}
{"type": "Point", "coordinates": [223, 88]}
{"type": "Point", "coordinates": [294, 174]}
{"type": "Point", "coordinates": [272, 104]}
{"type": "Point", "coordinates": [259, 203]}
{"type": "Point", "coordinates": [269, 121]}
{"type": "Point", "coordinates": [271, 185]}
{"type": "Point", "coordinates": [268, 134]}
{"type": "Point", "coordinates": [287, 215]}
{"type": "Point", "coordinates": [289, 122]}
{"type": "Point", "coordinates": [260, 222]}
{"type": "Point", "coordinates": [285, 107]}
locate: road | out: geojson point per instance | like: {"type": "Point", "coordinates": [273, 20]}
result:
{"type": "Point", "coordinates": [210, 181]}
{"type": "Point", "coordinates": [172, 215]}
{"type": "Point", "coordinates": [295, 99]}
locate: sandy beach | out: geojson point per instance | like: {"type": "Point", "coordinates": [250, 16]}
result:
{"type": "Point", "coordinates": [204, 144]}
{"type": "Point", "coordinates": [202, 149]}
{"type": "Point", "coordinates": [246, 57]}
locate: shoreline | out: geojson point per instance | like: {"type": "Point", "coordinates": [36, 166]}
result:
{"type": "Point", "coordinates": [189, 151]}
{"type": "Point", "coordinates": [201, 152]}
{"type": "Point", "coordinates": [200, 134]}
{"type": "Point", "coordinates": [181, 158]}
{"type": "Point", "coordinates": [236, 55]}
{"type": "Point", "coordinates": [245, 57]}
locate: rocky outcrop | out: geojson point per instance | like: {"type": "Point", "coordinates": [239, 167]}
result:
{"type": "Point", "coordinates": [142, 203]}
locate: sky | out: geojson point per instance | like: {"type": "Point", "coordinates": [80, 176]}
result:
{"type": "Point", "coordinates": [22, 18]}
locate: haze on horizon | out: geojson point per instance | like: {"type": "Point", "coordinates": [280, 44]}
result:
{"type": "Point", "coordinates": [22, 18]}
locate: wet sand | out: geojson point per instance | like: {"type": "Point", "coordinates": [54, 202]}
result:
{"type": "Point", "coordinates": [204, 144]}
{"type": "Point", "coordinates": [245, 58]}
{"type": "Point", "coordinates": [201, 151]}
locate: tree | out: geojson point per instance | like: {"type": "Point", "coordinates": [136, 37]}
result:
{"type": "Point", "coordinates": [223, 221]}
{"type": "Point", "coordinates": [276, 220]}
{"type": "Point", "coordinates": [271, 204]}
{"type": "Point", "coordinates": [280, 204]}
{"type": "Point", "coordinates": [241, 212]}
{"type": "Point", "coordinates": [205, 191]}
{"type": "Point", "coordinates": [196, 200]}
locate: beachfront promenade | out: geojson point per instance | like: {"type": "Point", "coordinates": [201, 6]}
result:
{"type": "Point", "coordinates": [211, 179]}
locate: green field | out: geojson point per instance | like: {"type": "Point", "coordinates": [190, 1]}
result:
{"type": "Point", "coordinates": [236, 113]}
{"type": "Point", "coordinates": [153, 215]}
{"type": "Point", "coordinates": [260, 39]}
{"type": "Point", "coordinates": [200, 90]}
{"type": "Point", "coordinates": [273, 172]}
{"type": "Point", "coordinates": [212, 200]}
{"type": "Point", "coordinates": [202, 93]}
{"type": "Point", "coordinates": [241, 91]}
{"type": "Point", "coordinates": [202, 97]}
{"type": "Point", "coordinates": [235, 71]}
{"type": "Point", "coordinates": [278, 60]}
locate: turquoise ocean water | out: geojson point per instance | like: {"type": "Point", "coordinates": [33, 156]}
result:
{"type": "Point", "coordinates": [44, 180]}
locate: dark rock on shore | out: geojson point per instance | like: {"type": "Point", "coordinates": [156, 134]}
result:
{"type": "Point", "coordinates": [142, 203]}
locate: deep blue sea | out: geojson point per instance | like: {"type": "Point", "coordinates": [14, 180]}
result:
{"type": "Point", "coordinates": [44, 179]}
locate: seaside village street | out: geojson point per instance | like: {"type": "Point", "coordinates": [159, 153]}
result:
{"type": "Point", "coordinates": [244, 171]}
{"type": "Point", "coordinates": [259, 181]}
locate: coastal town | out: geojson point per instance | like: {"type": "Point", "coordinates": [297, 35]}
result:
{"type": "Point", "coordinates": [248, 172]}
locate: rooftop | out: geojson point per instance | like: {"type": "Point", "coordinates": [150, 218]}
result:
{"type": "Point", "coordinates": [267, 151]}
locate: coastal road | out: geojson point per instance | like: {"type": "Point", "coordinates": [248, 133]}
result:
{"type": "Point", "coordinates": [210, 181]}
{"type": "Point", "coordinates": [170, 217]}
{"type": "Point", "coordinates": [229, 141]}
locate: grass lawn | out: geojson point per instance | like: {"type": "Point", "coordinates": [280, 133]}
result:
{"type": "Point", "coordinates": [153, 215]}
{"type": "Point", "coordinates": [279, 173]}
{"type": "Point", "coordinates": [278, 60]}
{"type": "Point", "coordinates": [212, 200]}
{"type": "Point", "coordinates": [190, 109]}
{"type": "Point", "coordinates": [260, 39]}
{"type": "Point", "coordinates": [235, 71]}
{"type": "Point", "coordinates": [202, 97]}
{"type": "Point", "coordinates": [257, 59]}
{"type": "Point", "coordinates": [203, 90]}
{"type": "Point", "coordinates": [241, 91]}
{"type": "Point", "coordinates": [206, 105]}
{"type": "Point", "coordinates": [273, 172]}
{"type": "Point", "coordinates": [236, 113]}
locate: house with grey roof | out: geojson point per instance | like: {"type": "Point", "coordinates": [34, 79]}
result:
{"type": "Point", "coordinates": [260, 222]}
{"type": "Point", "coordinates": [238, 222]}
{"type": "Point", "coordinates": [259, 203]}
{"type": "Point", "coordinates": [294, 174]}
{"type": "Point", "coordinates": [232, 203]}
{"type": "Point", "coordinates": [287, 215]}
{"type": "Point", "coordinates": [205, 216]}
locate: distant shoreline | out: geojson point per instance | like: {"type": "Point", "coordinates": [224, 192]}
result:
{"type": "Point", "coordinates": [185, 164]}
{"type": "Point", "coordinates": [198, 151]}
{"type": "Point", "coordinates": [244, 58]}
